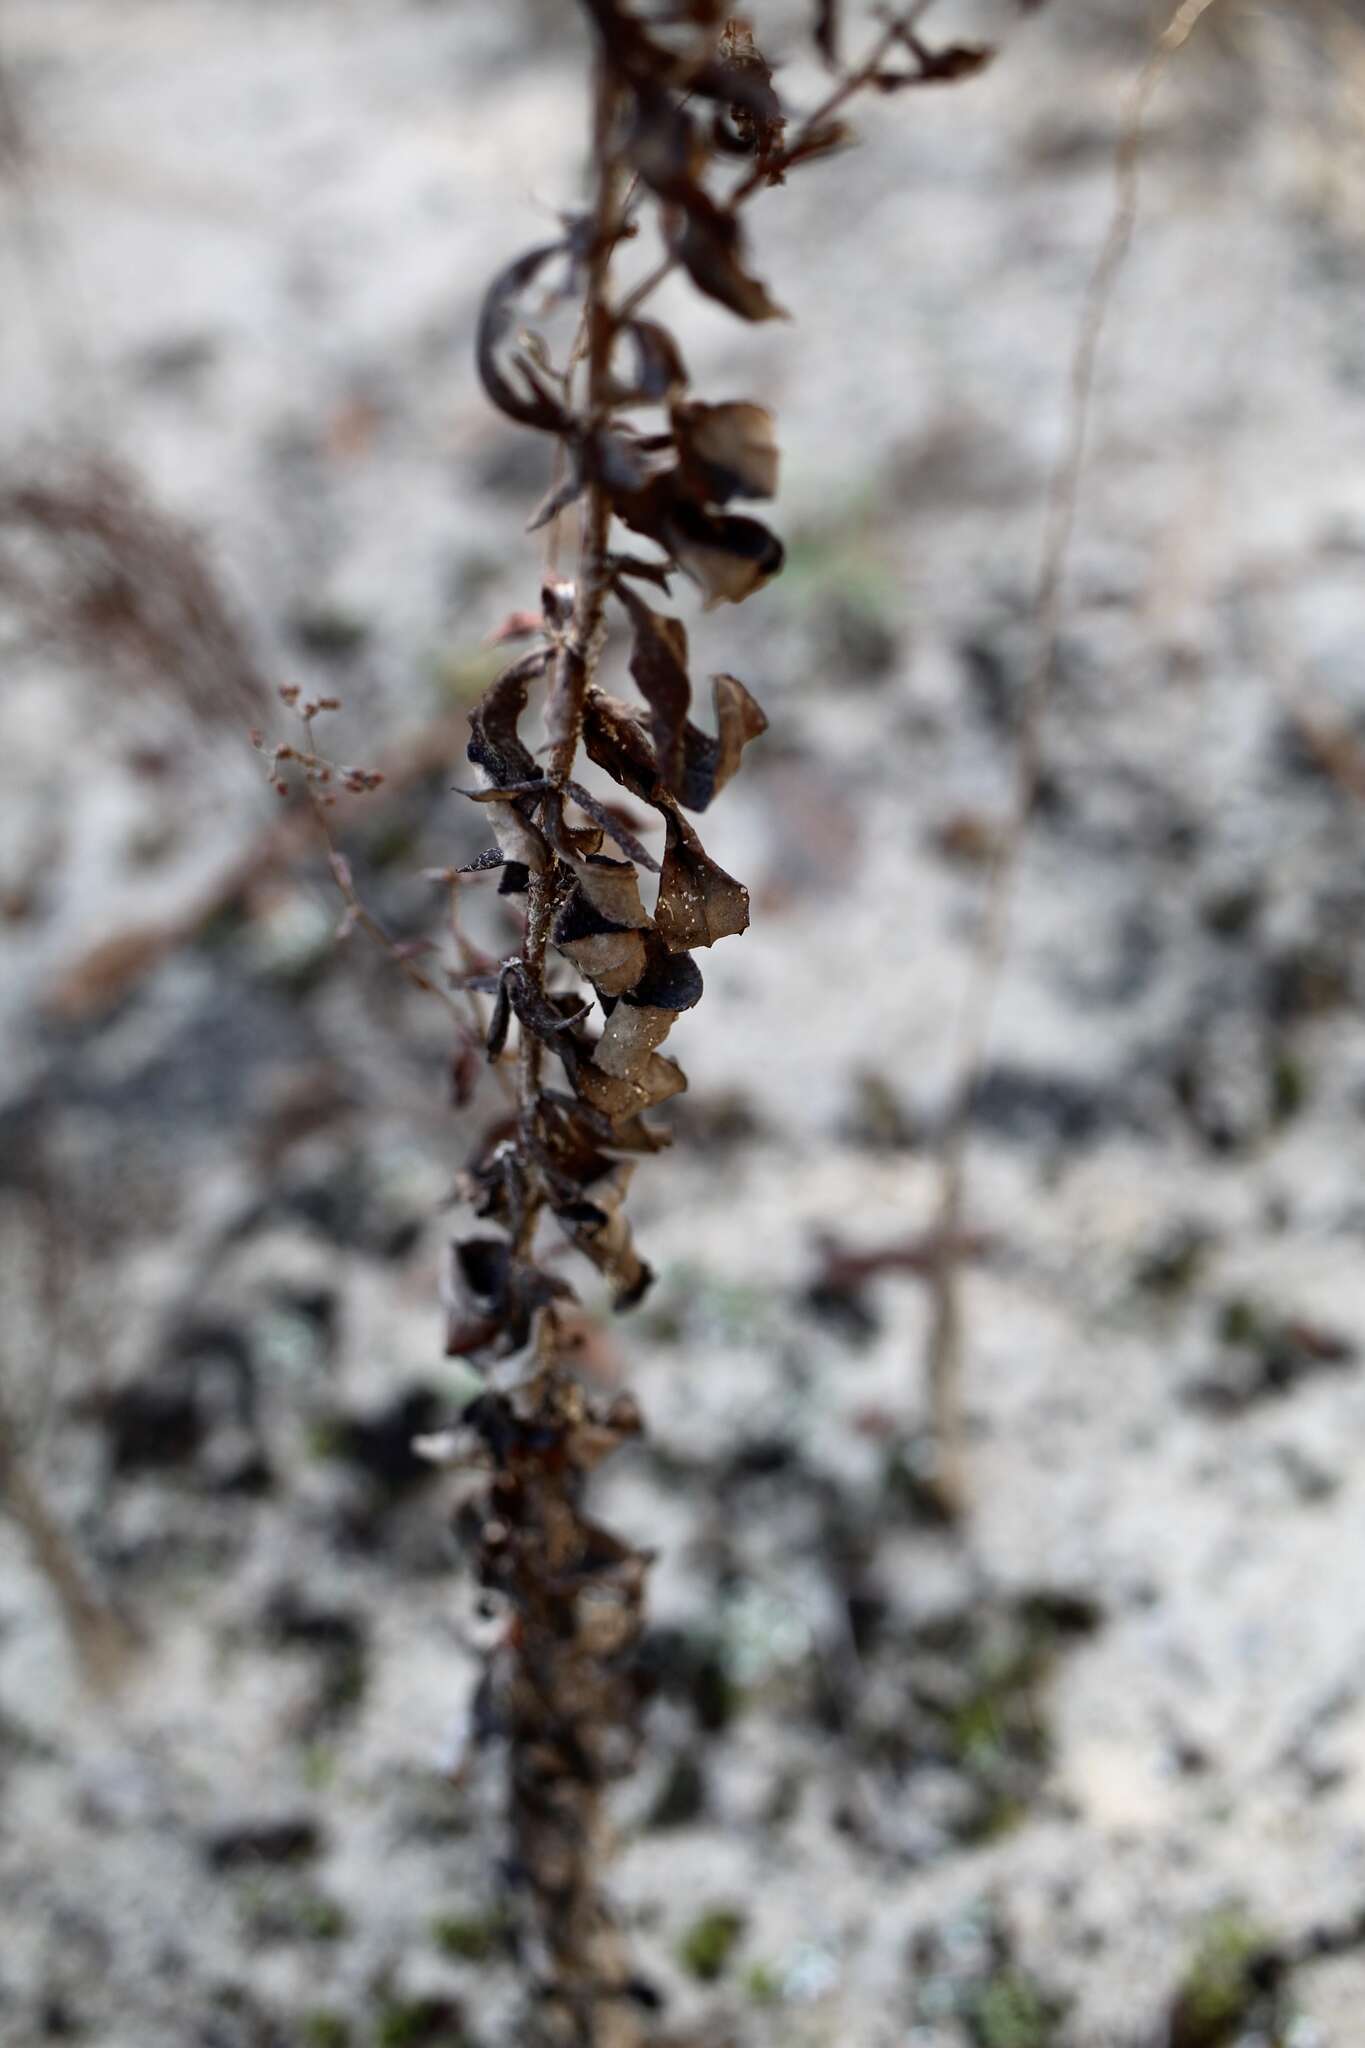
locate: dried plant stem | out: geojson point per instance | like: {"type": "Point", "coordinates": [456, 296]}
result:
{"type": "Point", "coordinates": [568, 1705]}
{"type": "Point", "coordinates": [565, 1691]}
{"type": "Point", "coordinates": [101, 1640]}
{"type": "Point", "coordinates": [568, 1701]}
{"type": "Point", "coordinates": [945, 1347]}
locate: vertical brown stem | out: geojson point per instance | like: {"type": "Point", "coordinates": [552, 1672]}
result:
{"type": "Point", "coordinates": [568, 1699]}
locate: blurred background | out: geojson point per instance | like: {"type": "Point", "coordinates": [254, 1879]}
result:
{"type": "Point", "coordinates": [1086, 1771]}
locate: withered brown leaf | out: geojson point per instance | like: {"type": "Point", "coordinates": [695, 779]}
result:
{"type": "Point", "coordinates": [658, 665]}
{"type": "Point", "coordinates": [494, 742]}
{"type": "Point", "coordinates": [708, 764]}
{"type": "Point", "coordinates": [710, 248]}
{"type": "Point", "coordinates": [597, 1226]}
{"type": "Point", "coordinates": [633, 1032]}
{"type": "Point", "coordinates": [607, 948]}
{"type": "Point", "coordinates": [659, 367]}
{"type": "Point", "coordinates": [729, 556]}
{"type": "Point", "coordinates": [726, 451]}
{"type": "Point", "coordinates": [698, 902]}
{"type": "Point", "coordinates": [754, 108]}
{"type": "Point", "coordinates": [534, 405]}
{"type": "Point", "coordinates": [491, 1297]}
{"type": "Point", "coordinates": [620, 1097]}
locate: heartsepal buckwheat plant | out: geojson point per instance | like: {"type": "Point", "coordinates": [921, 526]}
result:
{"type": "Point", "coordinates": [682, 96]}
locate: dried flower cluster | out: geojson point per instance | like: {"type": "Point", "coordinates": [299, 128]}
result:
{"type": "Point", "coordinates": [682, 95]}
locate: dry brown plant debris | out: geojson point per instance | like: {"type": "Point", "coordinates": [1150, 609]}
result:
{"type": "Point", "coordinates": [687, 123]}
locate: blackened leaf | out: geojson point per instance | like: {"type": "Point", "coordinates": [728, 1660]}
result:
{"type": "Point", "coordinates": [698, 902]}
{"type": "Point", "coordinates": [499, 1021]}
{"type": "Point", "coordinates": [483, 1264]}
{"type": "Point", "coordinates": [633, 55]}
{"type": "Point", "coordinates": [728, 555]}
{"type": "Point", "coordinates": [827, 30]}
{"type": "Point", "coordinates": [492, 1297]}
{"type": "Point", "coordinates": [708, 764]}
{"type": "Point", "coordinates": [488, 1299]}
{"type": "Point", "coordinates": [494, 743]}
{"type": "Point", "coordinates": [710, 249]}
{"type": "Point", "coordinates": [658, 664]}
{"type": "Point", "coordinates": [672, 981]}
{"type": "Point", "coordinates": [726, 451]}
{"type": "Point", "coordinates": [533, 406]}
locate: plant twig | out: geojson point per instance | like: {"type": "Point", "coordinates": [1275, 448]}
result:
{"type": "Point", "coordinates": [945, 1346]}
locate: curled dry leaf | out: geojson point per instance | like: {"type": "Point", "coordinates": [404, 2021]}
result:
{"type": "Point", "coordinates": [729, 556]}
{"type": "Point", "coordinates": [671, 980]}
{"type": "Point", "coordinates": [532, 404]}
{"type": "Point", "coordinates": [494, 742]}
{"type": "Point", "coordinates": [629, 1096]}
{"type": "Point", "coordinates": [633, 1032]}
{"type": "Point", "coordinates": [618, 742]}
{"type": "Point", "coordinates": [710, 247]}
{"type": "Point", "coordinates": [613, 889]}
{"type": "Point", "coordinates": [611, 956]}
{"type": "Point", "coordinates": [708, 764]}
{"type": "Point", "coordinates": [726, 451]}
{"type": "Point", "coordinates": [491, 1297]}
{"type": "Point", "coordinates": [658, 665]}
{"type": "Point", "coordinates": [597, 1226]}
{"type": "Point", "coordinates": [659, 367]}
{"type": "Point", "coordinates": [698, 902]}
